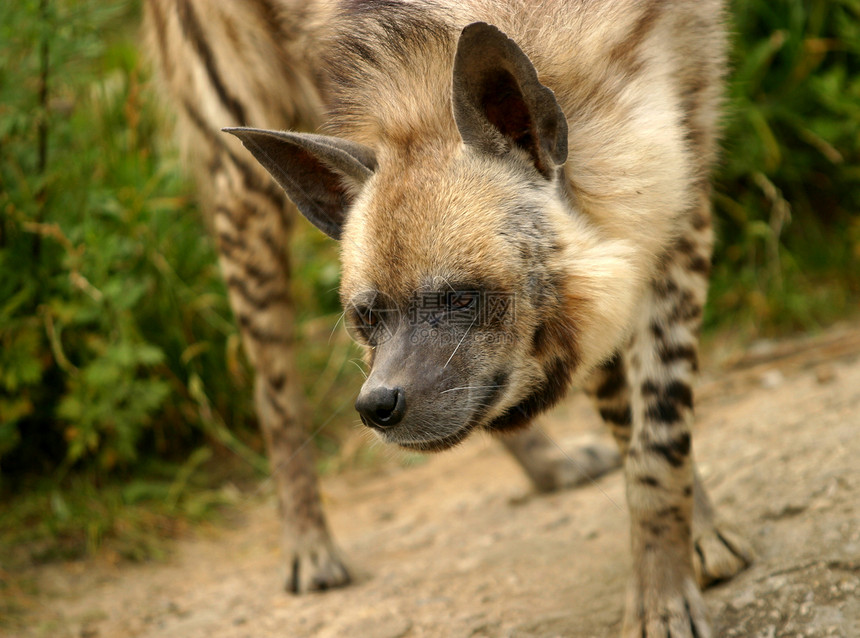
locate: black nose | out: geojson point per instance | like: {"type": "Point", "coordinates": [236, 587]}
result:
{"type": "Point", "coordinates": [381, 407]}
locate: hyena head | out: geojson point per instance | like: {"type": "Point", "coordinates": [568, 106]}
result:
{"type": "Point", "coordinates": [476, 287]}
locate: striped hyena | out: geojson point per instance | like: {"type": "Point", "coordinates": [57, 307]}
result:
{"type": "Point", "coordinates": [219, 63]}
{"type": "Point", "coordinates": [521, 194]}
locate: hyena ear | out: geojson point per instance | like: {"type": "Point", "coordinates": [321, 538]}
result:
{"type": "Point", "coordinates": [499, 102]}
{"type": "Point", "coordinates": [321, 174]}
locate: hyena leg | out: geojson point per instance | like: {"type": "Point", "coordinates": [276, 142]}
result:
{"type": "Point", "coordinates": [663, 597]}
{"type": "Point", "coordinates": [251, 226]}
{"type": "Point", "coordinates": [550, 468]}
{"type": "Point", "coordinates": [672, 521]}
{"type": "Point", "coordinates": [218, 62]}
{"type": "Point", "coordinates": [719, 552]}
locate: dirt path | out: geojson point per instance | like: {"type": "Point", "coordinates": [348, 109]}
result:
{"type": "Point", "coordinates": [459, 547]}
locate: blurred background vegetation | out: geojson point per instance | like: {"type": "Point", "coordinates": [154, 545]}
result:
{"type": "Point", "coordinates": [124, 396]}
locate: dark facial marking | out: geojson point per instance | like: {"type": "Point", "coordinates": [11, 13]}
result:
{"type": "Point", "coordinates": [544, 396]}
{"type": "Point", "coordinates": [540, 341]}
{"type": "Point", "coordinates": [495, 388]}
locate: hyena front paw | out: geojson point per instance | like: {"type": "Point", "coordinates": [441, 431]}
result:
{"type": "Point", "coordinates": [720, 553]}
{"type": "Point", "coordinates": [577, 466]}
{"type": "Point", "coordinates": [315, 568]}
{"type": "Point", "coordinates": [551, 467]}
{"type": "Point", "coordinates": [660, 613]}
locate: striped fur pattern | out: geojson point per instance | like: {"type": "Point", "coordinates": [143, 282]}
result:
{"type": "Point", "coordinates": [217, 64]}
{"type": "Point", "coordinates": [551, 152]}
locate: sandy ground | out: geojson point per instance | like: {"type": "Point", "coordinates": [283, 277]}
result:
{"type": "Point", "coordinates": [459, 546]}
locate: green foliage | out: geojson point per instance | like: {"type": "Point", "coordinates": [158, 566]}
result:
{"type": "Point", "coordinates": [787, 199]}
{"type": "Point", "coordinates": [115, 330]}
{"type": "Point", "coordinates": [119, 357]}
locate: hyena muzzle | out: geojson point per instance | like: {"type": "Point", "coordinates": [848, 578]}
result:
{"type": "Point", "coordinates": [219, 63]}
{"type": "Point", "coordinates": [521, 195]}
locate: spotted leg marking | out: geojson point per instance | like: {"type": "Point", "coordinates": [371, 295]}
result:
{"type": "Point", "coordinates": [720, 551]}
{"type": "Point", "coordinates": [663, 596]}
{"type": "Point", "coordinates": [610, 393]}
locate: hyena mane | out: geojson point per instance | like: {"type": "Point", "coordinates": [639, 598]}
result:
{"type": "Point", "coordinates": [520, 191]}
{"type": "Point", "coordinates": [575, 250]}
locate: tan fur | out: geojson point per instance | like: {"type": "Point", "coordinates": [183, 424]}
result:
{"type": "Point", "coordinates": [630, 176]}
{"type": "Point", "coordinates": [434, 186]}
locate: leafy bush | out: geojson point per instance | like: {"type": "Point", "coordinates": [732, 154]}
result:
{"type": "Point", "coordinates": [116, 336]}
{"type": "Point", "coordinates": [788, 255]}
{"type": "Point", "coordinates": [117, 343]}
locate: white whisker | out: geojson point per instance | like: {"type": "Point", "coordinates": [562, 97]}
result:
{"type": "Point", "coordinates": [461, 343]}
{"type": "Point", "coordinates": [360, 369]}
{"type": "Point", "coordinates": [334, 327]}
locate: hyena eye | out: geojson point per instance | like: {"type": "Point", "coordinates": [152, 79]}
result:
{"type": "Point", "coordinates": [462, 300]}
{"type": "Point", "coordinates": [367, 316]}
{"type": "Point", "coordinates": [362, 322]}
